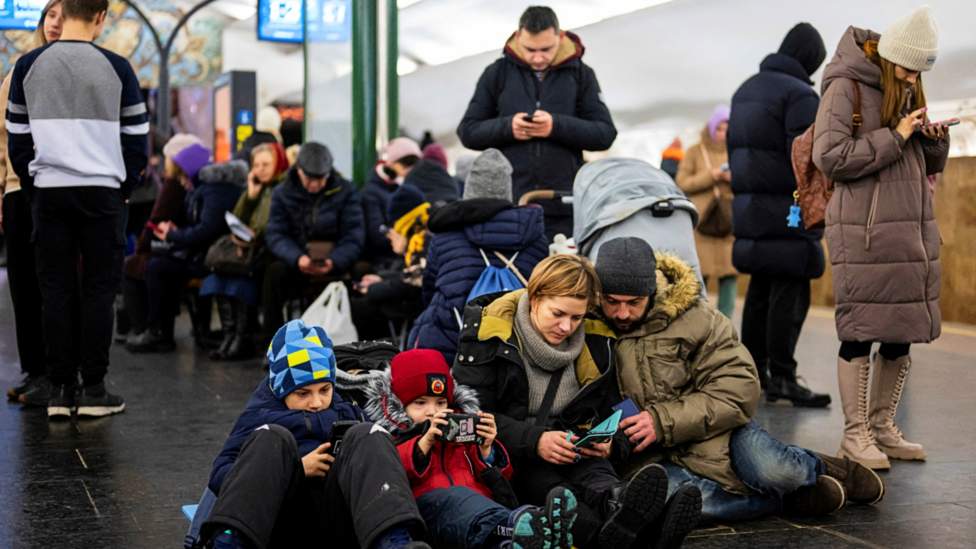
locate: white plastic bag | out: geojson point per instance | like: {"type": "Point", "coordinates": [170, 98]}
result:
{"type": "Point", "coordinates": [331, 310]}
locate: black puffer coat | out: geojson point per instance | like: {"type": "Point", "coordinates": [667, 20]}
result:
{"type": "Point", "coordinates": [489, 361]}
{"type": "Point", "coordinates": [569, 91]}
{"type": "Point", "coordinates": [769, 110]}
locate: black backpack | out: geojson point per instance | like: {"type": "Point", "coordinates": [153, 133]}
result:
{"type": "Point", "coordinates": [360, 357]}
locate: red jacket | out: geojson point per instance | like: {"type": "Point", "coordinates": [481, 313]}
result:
{"type": "Point", "coordinates": [451, 465]}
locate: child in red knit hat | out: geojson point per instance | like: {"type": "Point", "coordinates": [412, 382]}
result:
{"type": "Point", "coordinates": [461, 488]}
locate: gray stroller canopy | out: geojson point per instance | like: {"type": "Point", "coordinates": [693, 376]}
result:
{"type": "Point", "coordinates": [627, 197]}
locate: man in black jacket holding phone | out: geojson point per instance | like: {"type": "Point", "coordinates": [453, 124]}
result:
{"type": "Point", "coordinates": [541, 106]}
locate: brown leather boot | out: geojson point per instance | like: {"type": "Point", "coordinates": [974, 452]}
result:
{"type": "Point", "coordinates": [861, 484]}
{"type": "Point", "coordinates": [887, 383]}
{"type": "Point", "coordinates": [858, 443]}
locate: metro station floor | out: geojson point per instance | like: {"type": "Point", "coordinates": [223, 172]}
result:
{"type": "Point", "coordinates": [119, 482]}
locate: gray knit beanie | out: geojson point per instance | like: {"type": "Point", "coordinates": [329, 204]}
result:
{"type": "Point", "coordinates": [912, 41]}
{"type": "Point", "coordinates": [626, 266]}
{"type": "Point", "coordinates": [490, 177]}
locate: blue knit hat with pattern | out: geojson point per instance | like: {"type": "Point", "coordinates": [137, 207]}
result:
{"type": "Point", "coordinates": [299, 355]}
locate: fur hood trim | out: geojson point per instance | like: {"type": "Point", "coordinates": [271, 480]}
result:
{"type": "Point", "coordinates": [678, 288]}
{"type": "Point", "coordinates": [385, 409]}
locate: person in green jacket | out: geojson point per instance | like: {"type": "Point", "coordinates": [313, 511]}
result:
{"type": "Point", "coordinates": [237, 295]}
{"type": "Point", "coordinates": [696, 390]}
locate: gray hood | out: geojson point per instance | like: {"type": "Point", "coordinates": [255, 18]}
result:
{"type": "Point", "coordinates": [613, 198]}
{"type": "Point", "coordinates": [850, 61]}
{"type": "Point", "coordinates": [609, 191]}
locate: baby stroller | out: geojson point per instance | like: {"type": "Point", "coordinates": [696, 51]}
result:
{"type": "Point", "coordinates": [617, 197]}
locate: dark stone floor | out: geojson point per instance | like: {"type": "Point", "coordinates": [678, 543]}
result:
{"type": "Point", "coordinates": [120, 481]}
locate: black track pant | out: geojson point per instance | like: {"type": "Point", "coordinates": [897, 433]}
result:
{"type": "Point", "coordinates": [267, 497]}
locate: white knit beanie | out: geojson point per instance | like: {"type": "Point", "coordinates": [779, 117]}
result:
{"type": "Point", "coordinates": [912, 41]}
{"type": "Point", "coordinates": [269, 120]}
{"type": "Point", "coordinates": [179, 142]}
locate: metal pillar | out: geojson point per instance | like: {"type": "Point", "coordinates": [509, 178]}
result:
{"type": "Point", "coordinates": [392, 76]}
{"type": "Point", "coordinates": [363, 88]}
{"type": "Point", "coordinates": [163, 105]}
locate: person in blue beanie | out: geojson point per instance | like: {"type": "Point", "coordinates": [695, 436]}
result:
{"type": "Point", "coordinates": [284, 480]}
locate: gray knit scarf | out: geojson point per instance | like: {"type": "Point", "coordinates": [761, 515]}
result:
{"type": "Point", "coordinates": [543, 360]}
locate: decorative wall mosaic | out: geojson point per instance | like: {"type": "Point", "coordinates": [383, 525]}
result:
{"type": "Point", "coordinates": [195, 58]}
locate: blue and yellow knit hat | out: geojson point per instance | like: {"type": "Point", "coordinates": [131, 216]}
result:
{"type": "Point", "coordinates": [299, 355]}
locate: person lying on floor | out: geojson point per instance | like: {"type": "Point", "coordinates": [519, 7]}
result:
{"type": "Point", "coordinates": [461, 485]}
{"type": "Point", "coordinates": [697, 387]}
{"type": "Point", "coordinates": [282, 480]}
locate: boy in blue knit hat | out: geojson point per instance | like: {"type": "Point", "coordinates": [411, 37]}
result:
{"type": "Point", "coordinates": [282, 480]}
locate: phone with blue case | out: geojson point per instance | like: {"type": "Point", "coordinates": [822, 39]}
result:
{"type": "Point", "coordinates": [601, 433]}
{"type": "Point", "coordinates": [628, 407]}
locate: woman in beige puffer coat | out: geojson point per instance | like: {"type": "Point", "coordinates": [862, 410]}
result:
{"type": "Point", "coordinates": [704, 176]}
{"type": "Point", "coordinates": [881, 228]}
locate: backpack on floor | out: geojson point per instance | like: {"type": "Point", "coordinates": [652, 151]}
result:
{"type": "Point", "coordinates": [356, 360]}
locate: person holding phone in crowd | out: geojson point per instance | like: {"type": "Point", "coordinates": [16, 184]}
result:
{"type": "Point", "coordinates": [238, 295]}
{"type": "Point", "coordinates": [315, 230]}
{"type": "Point", "coordinates": [545, 376]}
{"type": "Point", "coordinates": [541, 106]}
{"type": "Point", "coordinates": [874, 140]}
{"type": "Point", "coordinates": [462, 487]}
{"type": "Point", "coordinates": [705, 177]}
{"type": "Point", "coordinates": [697, 390]}
{"type": "Point", "coordinates": [278, 480]}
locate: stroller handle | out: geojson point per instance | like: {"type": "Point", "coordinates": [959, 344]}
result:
{"type": "Point", "coordinates": [545, 194]}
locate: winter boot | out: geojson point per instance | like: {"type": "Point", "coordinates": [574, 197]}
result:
{"type": "Point", "coordinates": [858, 443]}
{"type": "Point", "coordinates": [227, 309]}
{"type": "Point", "coordinates": [679, 518]}
{"type": "Point", "coordinates": [548, 527]}
{"type": "Point", "coordinates": [887, 383]}
{"type": "Point", "coordinates": [639, 503]}
{"type": "Point", "coordinates": [822, 498]}
{"type": "Point", "coordinates": [242, 345]}
{"type": "Point", "coordinates": [861, 484]}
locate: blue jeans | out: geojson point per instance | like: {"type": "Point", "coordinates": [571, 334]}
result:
{"type": "Point", "coordinates": [460, 517]}
{"type": "Point", "coordinates": [770, 468]}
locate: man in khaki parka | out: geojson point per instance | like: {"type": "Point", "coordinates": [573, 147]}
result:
{"type": "Point", "coordinates": [697, 388]}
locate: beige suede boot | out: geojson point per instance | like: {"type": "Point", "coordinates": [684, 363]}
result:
{"type": "Point", "coordinates": [887, 383]}
{"type": "Point", "coordinates": [858, 443]}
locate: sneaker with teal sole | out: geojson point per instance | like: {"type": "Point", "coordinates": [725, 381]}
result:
{"type": "Point", "coordinates": [549, 527]}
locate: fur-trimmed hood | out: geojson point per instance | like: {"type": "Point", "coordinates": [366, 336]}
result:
{"type": "Point", "coordinates": [678, 288]}
{"type": "Point", "coordinates": [233, 172]}
{"type": "Point", "coordinates": [385, 409]}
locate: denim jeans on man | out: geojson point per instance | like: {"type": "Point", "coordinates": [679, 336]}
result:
{"type": "Point", "coordinates": [460, 517]}
{"type": "Point", "coordinates": [770, 468]}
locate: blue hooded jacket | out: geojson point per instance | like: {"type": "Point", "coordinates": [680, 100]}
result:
{"type": "Point", "coordinates": [454, 261]}
{"type": "Point", "coordinates": [310, 429]}
{"type": "Point", "coordinates": [216, 189]}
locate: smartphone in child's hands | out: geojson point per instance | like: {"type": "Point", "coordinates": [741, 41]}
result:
{"type": "Point", "coordinates": [339, 429]}
{"type": "Point", "coordinates": [461, 429]}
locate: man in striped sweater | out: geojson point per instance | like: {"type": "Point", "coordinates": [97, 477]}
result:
{"type": "Point", "coordinates": [77, 124]}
